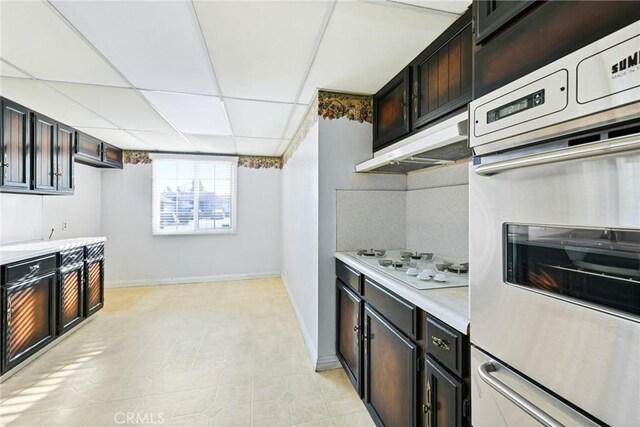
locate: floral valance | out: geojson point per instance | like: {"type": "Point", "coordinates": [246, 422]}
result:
{"type": "Point", "coordinates": [253, 162]}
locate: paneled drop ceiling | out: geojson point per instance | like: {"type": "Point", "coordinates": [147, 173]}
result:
{"type": "Point", "coordinates": [204, 76]}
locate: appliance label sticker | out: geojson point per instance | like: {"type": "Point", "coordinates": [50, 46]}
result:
{"type": "Point", "coordinates": [609, 72]}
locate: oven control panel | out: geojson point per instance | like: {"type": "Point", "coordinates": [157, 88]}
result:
{"type": "Point", "coordinates": [522, 104]}
{"type": "Point", "coordinates": [596, 85]}
{"type": "Point", "coordinates": [540, 98]}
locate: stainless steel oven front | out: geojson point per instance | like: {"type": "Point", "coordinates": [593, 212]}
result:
{"type": "Point", "coordinates": [555, 247]}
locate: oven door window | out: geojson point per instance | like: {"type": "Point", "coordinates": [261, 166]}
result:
{"type": "Point", "coordinates": [597, 266]}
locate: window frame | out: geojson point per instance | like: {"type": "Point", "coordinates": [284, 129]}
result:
{"type": "Point", "coordinates": [155, 202]}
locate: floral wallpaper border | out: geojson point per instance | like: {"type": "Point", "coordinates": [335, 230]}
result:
{"type": "Point", "coordinates": [335, 105]}
{"type": "Point", "coordinates": [252, 162]}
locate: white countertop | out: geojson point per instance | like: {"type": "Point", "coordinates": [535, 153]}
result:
{"type": "Point", "coordinates": [451, 305]}
{"type": "Point", "coordinates": [20, 251]}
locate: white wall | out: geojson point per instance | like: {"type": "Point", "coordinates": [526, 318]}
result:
{"type": "Point", "coordinates": [300, 236]}
{"type": "Point", "coordinates": [81, 212]}
{"type": "Point", "coordinates": [343, 143]}
{"type": "Point", "coordinates": [31, 217]}
{"type": "Point", "coordinates": [135, 256]}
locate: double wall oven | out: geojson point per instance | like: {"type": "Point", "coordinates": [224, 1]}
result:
{"type": "Point", "coordinates": [555, 242]}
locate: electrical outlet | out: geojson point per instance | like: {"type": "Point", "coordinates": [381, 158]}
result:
{"type": "Point", "coordinates": [64, 225]}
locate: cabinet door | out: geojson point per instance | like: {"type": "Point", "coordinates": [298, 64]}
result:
{"type": "Point", "coordinates": [491, 15]}
{"type": "Point", "coordinates": [94, 286]}
{"type": "Point", "coordinates": [64, 159]}
{"type": "Point", "coordinates": [44, 159]}
{"type": "Point", "coordinates": [444, 397]}
{"type": "Point", "coordinates": [442, 74]}
{"type": "Point", "coordinates": [15, 145]}
{"type": "Point", "coordinates": [30, 321]}
{"type": "Point", "coordinates": [70, 298]}
{"type": "Point", "coordinates": [349, 333]}
{"type": "Point", "coordinates": [88, 148]}
{"type": "Point", "coordinates": [390, 372]}
{"type": "Point", "coordinates": [391, 110]}
{"type": "Point", "coordinates": [111, 156]}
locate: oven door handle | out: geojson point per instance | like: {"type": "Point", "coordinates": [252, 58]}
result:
{"type": "Point", "coordinates": [591, 149]}
{"type": "Point", "coordinates": [485, 369]}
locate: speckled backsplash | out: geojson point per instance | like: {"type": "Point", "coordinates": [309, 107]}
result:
{"type": "Point", "coordinates": [431, 214]}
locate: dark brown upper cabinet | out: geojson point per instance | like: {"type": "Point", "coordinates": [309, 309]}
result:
{"type": "Point", "coordinates": [15, 147]}
{"type": "Point", "coordinates": [391, 118]}
{"type": "Point", "coordinates": [442, 74]}
{"type": "Point", "coordinates": [491, 15]}
{"type": "Point", "coordinates": [88, 149]}
{"type": "Point", "coordinates": [93, 152]}
{"type": "Point", "coordinates": [514, 39]}
{"type": "Point", "coordinates": [44, 150]}
{"type": "Point", "coordinates": [64, 159]}
{"type": "Point", "coordinates": [111, 156]}
{"type": "Point", "coordinates": [433, 85]}
{"type": "Point", "coordinates": [52, 156]}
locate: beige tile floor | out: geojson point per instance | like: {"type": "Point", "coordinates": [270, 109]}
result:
{"type": "Point", "coordinates": [214, 354]}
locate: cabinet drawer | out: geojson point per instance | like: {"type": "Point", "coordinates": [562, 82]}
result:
{"type": "Point", "coordinates": [71, 257]}
{"type": "Point", "coordinates": [446, 345]}
{"type": "Point", "coordinates": [349, 276]}
{"type": "Point", "coordinates": [94, 251]}
{"type": "Point", "coordinates": [402, 314]}
{"type": "Point", "coordinates": [32, 268]}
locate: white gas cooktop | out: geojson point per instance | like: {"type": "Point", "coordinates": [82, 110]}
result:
{"type": "Point", "coordinates": [452, 280]}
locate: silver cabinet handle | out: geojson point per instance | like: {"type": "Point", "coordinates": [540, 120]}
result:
{"type": "Point", "coordinates": [438, 342]}
{"type": "Point", "coordinates": [592, 149]}
{"type": "Point", "coordinates": [538, 414]}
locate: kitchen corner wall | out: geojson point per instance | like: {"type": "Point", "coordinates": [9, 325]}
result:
{"type": "Point", "coordinates": [135, 256]}
{"type": "Point", "coordinates": [334, 135]}
{"type": "Point", "coordinates": [25, 217]}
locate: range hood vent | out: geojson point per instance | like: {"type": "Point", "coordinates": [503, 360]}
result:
{"type": "Point", "coordinates": [440, 144]}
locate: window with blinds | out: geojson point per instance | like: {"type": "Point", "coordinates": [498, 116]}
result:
{"type": "Point", "coordinates": [193, 194]}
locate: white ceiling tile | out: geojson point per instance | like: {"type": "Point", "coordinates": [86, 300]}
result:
{"type": "Point", "coordinates": [297, 116]}
{"type": "Point", "coordinates": [117, 137]}
{"type": "Point", "coordinates": [393, 35]}
{"type": "Point", "coordinates": [192, 113]}
{"type": "Point", "coordinates": [260, 50]}
{"type": "Point", "coordinates": [155, 44]}
{"type": "Point", "coordinates": [258, 146]}
{"type": "Point", "coordinates": [38, 41]}
{"type": "Point", "coordinates": [124, 107]}
{"type": "Point", "coordinates": [172, 141]}
{"type": "Point", "coordinates": [7, 70]}
{"type": "Point", "coordinates": [45, 100]}
{"type": "Point", "coordinates": [453, 6]}
{"type": "Point", "coordinates": [213, 143]}
{"type": "Point", "coordinates": [256, 118]}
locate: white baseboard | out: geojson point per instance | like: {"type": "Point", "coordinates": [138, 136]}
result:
{"type": "Point", "coordinates": [311, 348]}
{"type": "Point", "coordinates": [327, 363]}
{"type": "Point", "coordinates": [192, 279]}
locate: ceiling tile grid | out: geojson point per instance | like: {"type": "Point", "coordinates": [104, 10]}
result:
{"type": "Point", "coordinates": [204, 76]}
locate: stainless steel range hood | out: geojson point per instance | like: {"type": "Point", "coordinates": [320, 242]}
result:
{"type": "Point", "coordinates": [440, 144]}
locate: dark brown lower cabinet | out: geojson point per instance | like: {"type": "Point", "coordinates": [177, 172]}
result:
{"type": "Point", "coordinates": [390, 372]}
{"type": "Point", "coordinates": [94, 291]}
{"type": "Point", "coordinates": [349, 334]}
{"type": "Point", "coordinates": [444, 395]}
{"type": "Point", "coordinates": [28, 306]}
{"type": "Point", "coordinates": [70, 297]}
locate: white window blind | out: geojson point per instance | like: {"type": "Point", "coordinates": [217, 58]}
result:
{"type": "Point", "coordinates": [193, 194]}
